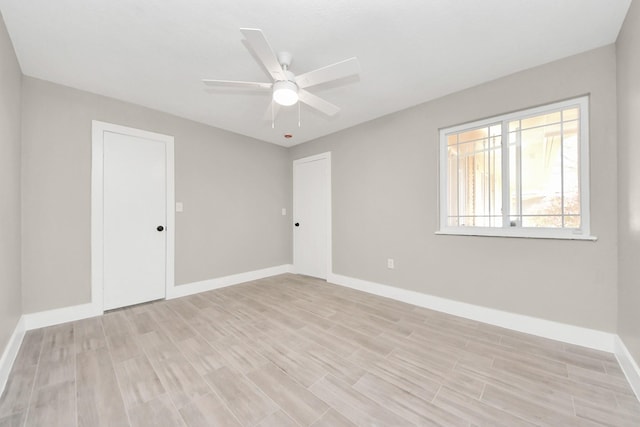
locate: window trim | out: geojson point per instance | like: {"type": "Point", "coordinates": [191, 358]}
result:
{"type": "Point", "coordinates": [583, 233]}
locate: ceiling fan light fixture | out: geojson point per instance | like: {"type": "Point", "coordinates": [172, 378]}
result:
{"type": "Point", "coordinates": [285, 93]}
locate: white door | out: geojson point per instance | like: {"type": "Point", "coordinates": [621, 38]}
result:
{"type": "Point", "coordinates": [312, 215]}
{"type": "Point", "coordinates": [135, 219]}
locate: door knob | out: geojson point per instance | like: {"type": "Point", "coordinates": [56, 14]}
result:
{"type": "Point", "coordinates": [297, 224]}
{"type": "Point", "coordinates": [160, 228]}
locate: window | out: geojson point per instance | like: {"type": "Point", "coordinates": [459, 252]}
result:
{"type": "Point", "coordinates": [523, 174]}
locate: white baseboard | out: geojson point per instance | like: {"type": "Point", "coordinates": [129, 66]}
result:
{"type": "Point", "coordinates": [10, 353]}
{"type": "Point", "coordinates": [577, 335]}
{"type": "Point", "coordinates": [221, 282]}
{"type": "Point", "coordinates": [57, 316]}
{"type": "Point", "coordinates": [628, 365]}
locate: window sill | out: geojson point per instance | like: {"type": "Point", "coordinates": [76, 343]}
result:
{"type": "Point", "coordinates": [520, 234]}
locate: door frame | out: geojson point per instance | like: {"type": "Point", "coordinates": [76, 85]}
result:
{"type": "Point", "coordinates": [322, 156]}
{"type": "Point", "coordinates": [98, 129]}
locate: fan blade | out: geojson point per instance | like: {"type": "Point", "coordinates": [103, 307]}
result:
{"type": "Point", "coordinates": [232, 83]}
{"type": "Point", "coordinates": [318, 103]}
{"type": "Point", "coordinates": [346, 68]}
{"type": "Point", "coordinates": [262, 48]}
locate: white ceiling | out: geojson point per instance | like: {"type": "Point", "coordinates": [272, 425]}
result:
{"type": "Point", "coordinates": [154, 52]}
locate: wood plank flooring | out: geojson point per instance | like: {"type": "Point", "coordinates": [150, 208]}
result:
{"type": "Point", "coordinates": [296, 351]}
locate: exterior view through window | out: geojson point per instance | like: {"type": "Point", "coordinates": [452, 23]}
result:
{"type": "Point", "coordinates": [521, 174]}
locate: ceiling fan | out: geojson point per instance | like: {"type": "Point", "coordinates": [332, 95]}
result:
{"type": "Point", "coordinates": [287, 88]}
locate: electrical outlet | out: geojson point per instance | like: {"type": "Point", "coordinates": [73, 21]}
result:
{"type": "Point", "coordinates": [391, 263]}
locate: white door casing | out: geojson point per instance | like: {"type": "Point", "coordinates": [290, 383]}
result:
{"type": "Point", "coordinates": [132, 194]}
{"type": "Point", "coordinates": [312, 214]}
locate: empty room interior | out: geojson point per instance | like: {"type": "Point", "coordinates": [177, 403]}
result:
{"type": "Point", "coordinates": [353, 213]}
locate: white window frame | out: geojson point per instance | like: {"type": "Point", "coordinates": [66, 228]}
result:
{"type": "Point", "coordinates": [583, 233]}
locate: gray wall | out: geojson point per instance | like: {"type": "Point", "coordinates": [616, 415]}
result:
{"type": "Point", "coordinates": [10, 77]}
{"type": "Point", "coordinates": [232, 187]}
{"type": "Point", "coordinates": [385, 203]}
{"type": "Point", "coordinates": [628, 46]}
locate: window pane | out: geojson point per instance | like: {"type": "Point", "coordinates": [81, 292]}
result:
{"type": "Point", "coordinates": [571, 172]}
{"type": "Point", "coordinates": [514, 179]}
{"type": "Point", "coordinates": [541, 171]}
{"type": "Point", "coordinates": [452, 185]}
{"type": "Point", "coordinates": [542, 221]}
{"type": "Point", "coordinates": [570, 129]}
{"type": "Point", "coordinates": [541, 175]}
{"type": "Point", "coordinates": [571, 114]}
{"type": "Point", "coordinates": [572, 221]}
{"type": "Point", "coordinates": [495, 175]}
{"type": "Point", "coordinates": [542, 120]}
{"type": "Point", "coordinates": [473, 135]}
{"type": "Point", "coordinates": [479, 182]}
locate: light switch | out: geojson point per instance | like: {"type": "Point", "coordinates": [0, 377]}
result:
{"type": "Point", "coordinates": [179, 207]}
{"type": "Point", "coordinates": [284, 211]}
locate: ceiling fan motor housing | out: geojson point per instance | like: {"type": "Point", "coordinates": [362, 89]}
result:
{"type": "Point", "coordinates": [284, 58]}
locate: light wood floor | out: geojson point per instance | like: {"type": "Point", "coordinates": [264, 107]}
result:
{"type": "Point", "coordinates": [291, 350]}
